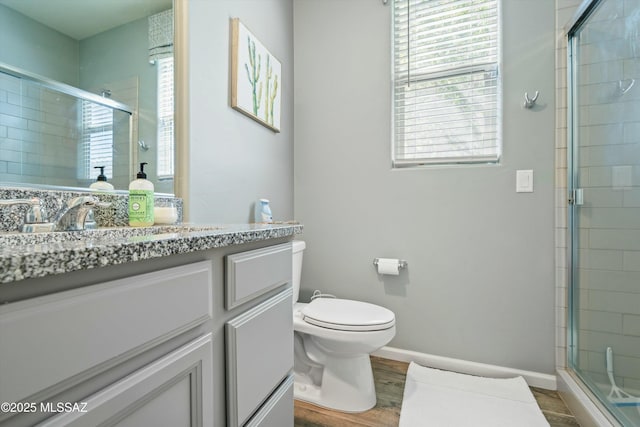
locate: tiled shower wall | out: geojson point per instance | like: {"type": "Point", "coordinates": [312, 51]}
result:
{"type": "Point", "coordinates": [38, 134]}
{"type": "Point", "coordinates": [609, 235]}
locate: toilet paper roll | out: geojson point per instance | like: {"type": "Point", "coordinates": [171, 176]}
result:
{"type": "Point", "coordinates": [389, 266]}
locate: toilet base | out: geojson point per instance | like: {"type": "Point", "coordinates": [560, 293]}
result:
{"type": "Point", "coordinates": [347, 385]}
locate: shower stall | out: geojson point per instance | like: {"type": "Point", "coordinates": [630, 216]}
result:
{"type": "Point", "coordinates": [604, 205]}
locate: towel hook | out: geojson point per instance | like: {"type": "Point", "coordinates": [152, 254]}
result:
{"type": "Point", "coordinates": [622, 90]}
{"type": "Point", "coordinates": [530, 102]}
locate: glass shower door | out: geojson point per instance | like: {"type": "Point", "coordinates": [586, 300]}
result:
{"type": "Point", "coordinates": [604, 188]}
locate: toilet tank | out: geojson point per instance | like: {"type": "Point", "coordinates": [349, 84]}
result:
{"type": "Point", "coordinates": [296, 263]}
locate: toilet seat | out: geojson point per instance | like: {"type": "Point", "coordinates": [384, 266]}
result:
{"type": "Point", "coordinates": [347, 315]}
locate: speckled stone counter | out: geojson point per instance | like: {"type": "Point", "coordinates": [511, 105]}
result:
{"type": "Point", "coordinates": [41, 254]}
{"type": "Point", "coordinates": [115, 215]}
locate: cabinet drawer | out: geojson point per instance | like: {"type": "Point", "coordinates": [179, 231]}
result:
{"type": "Point", "coordinates": [278, 410]}
{"type": "Point", "coordinates": [175, 390]}
{"type": "Point", "coordinates": [259, 355]}
{"type": "Point", "coordinates": [250, 274]}
{"type": "Point", "coordinates": [59, 336]}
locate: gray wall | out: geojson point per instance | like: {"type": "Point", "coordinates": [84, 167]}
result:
{"type": "Point", "coordinates": [233, 159]}
{"type": "Point", "coordinates": [480, 282]}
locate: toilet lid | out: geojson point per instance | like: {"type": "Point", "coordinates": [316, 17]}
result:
{"type": "Point", "coordinates": [347, 315]}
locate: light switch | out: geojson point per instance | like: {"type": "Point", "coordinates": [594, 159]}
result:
{"type": "Point", "coordinates": [524, 181]}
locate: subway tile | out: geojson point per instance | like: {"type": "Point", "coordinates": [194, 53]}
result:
{"type": "Point", "coordinates": [14, 168]}
{"type": "Point", "coordinates": [603, 197]}
{"type": "Point", "coordinates": [561, 117]}
{"type": "Point", "coordinates": [631, 385]}
{"type": "Point", "coordinates": [596, 362]}
{"type": "Point", "coordinates": [561, 255]}
{"type": "Point", "coordinates": [614, 281]}
{"type": "Point", "coordinates": [10, 83]}
{"type": "Point", "coordinates": [12, 121]}
{"type": "Point", "coordinates": [561, 217]}
{"type": "Point", "coordinates": [628, 218]}
{"type": "Point", "coordinates": [561, 285]}
{"type": "Point", "coordinates": [599, 176]}
{"type": "Point", "coordinates": [584, 237]}
{"type": "Point", "coordinates": [601, 321]}
{"type": "Point", "coordinates": [631, 133]}
{"type": "Point", "coordinates": [561, 238]}
{"type": "Point", "coordinates": [622, 345]}
{"type": "Point", "coordinates": [631, 326]}
{"type": "Point", "coordinates": [625, 365]}
{"type": "Point", "coordinates": [601, 259]}
{"type": "Point", "coordinates": [562, 197]}
{"type": "Point", "coordinates": [631, 261]}
{"type": "Point", "coordinates": [10, 155]}
{"type": "Point", "coordinates": [561, 357]}
{"type": "Point", "coordinates": [561, 178]}
{"type": "Point", "coordinates": [561, 138]}
{"type": "Point", "coordinates": [560, 317]}
{"type": "Point", "coordinates": [614, 239]}
{"type": "Point", "coordinates": [603, 134]}
{"type": "Point", "coordinates": [615, 302]}
{"type": "Point", "coordinates": [561, 337]}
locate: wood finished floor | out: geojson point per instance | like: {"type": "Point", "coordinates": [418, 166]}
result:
{"type": "Point", "coordinates": [389, 377]}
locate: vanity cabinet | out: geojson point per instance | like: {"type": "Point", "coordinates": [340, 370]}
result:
{"type": "Point", "coordinates": [53, 343]}
{"type": "Point", "coordinates": [259, 342]}
{"type": "Point", "coordinates": [197, 339]}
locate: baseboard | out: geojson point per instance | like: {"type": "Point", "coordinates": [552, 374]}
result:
{"type": "Point", "coordinates": [587, 413]}
{"type": "Point", "coordinates": [534, 379]}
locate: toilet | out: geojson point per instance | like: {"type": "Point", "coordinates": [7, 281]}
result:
{"type": "Point", "coordinates": [333, 340]}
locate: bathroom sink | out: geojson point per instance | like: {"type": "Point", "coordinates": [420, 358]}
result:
{"type": "Point", "coordinates": [14, 239]}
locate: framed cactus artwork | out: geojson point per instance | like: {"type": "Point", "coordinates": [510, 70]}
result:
{"type": "Point", "coordinates": [256, 79]}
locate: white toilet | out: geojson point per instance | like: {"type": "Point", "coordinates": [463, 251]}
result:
{"type": "Point", "coordinates": [333, 340]}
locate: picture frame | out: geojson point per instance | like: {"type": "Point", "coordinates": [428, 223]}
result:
{"type": "Point", "coordinates": [256, 78]}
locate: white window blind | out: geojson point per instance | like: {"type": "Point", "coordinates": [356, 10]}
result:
{"type": "Point", "coordinates": [97, 140]}
{"type": "Point", "coordinates": [446, 86]}
{"type": "Point", "coordinates": [165, 117]}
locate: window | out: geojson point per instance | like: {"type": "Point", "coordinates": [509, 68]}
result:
{"type": "Point", "coordinates": [97, 140]}
{"type": "Point", "coordinates": [165, 117]}
{"type": "Point", "coordinates": [446, 86]}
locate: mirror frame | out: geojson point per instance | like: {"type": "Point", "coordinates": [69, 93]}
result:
{"type": "Point", "coordinates": [181, 106]}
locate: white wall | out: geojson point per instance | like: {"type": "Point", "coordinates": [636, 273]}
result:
{"type": "Point", "coordinates": [234, 160]}
{"type": "Point", "coordinates": [480, 282]}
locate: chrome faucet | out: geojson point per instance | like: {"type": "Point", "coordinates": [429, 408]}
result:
{"type": "Point", "coordinates": [71, 217]}
{"type": "Point", "coordinates": [74, 213]}
{"type": "Point", "coordinates": [35, 215]}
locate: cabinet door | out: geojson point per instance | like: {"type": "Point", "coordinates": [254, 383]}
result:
{"type": "Point", "coordinates": [278, 410]}
{"type": "Point", "coordinates": [176, 391]}
{"type": "Point", "coordinates": [259, 355]}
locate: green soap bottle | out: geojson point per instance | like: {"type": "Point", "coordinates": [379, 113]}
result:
{"type": "Point", "coordinates": [141, 200]}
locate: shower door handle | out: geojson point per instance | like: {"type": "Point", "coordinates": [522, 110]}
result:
{"type": "Point", "coordinates": [576, 197]}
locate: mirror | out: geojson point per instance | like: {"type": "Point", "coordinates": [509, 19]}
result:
{"type": "Point", "coordinates": [101, 48]}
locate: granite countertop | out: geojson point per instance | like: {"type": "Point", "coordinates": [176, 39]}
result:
{"type": "Point", "coordinates": [24, 256]}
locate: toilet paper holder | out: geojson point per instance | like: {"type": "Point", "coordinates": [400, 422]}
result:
{"type": "Point", "coordinates": [401, 263]}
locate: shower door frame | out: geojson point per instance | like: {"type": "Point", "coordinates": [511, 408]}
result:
{"type": "Point", "coordinates": [573, 203]}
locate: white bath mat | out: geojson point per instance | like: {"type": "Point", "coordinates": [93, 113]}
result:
{"type": "Point", "coordinates": [447, 399]}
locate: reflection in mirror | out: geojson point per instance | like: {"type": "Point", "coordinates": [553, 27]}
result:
{"type": "Point", "coordinates": [118, 51]}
